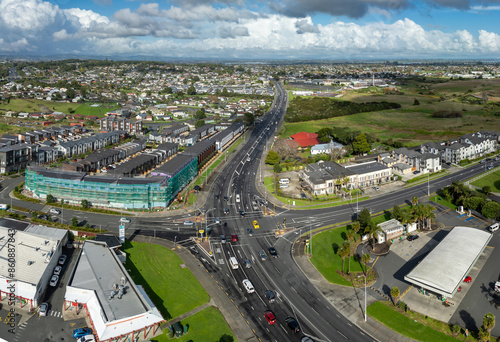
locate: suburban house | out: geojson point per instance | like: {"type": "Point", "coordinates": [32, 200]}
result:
{"type": "Point", "coordinates": [305, 139]}
{"type": "Point", "coordinates": [393, 229]}
{"type": "Point", "coordinates": [326, 148]}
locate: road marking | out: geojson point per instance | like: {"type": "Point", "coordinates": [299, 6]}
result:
{"type": "Point", "coordinates": [375, 261]}
{"type": "Point", "coordinates": [342, 334]}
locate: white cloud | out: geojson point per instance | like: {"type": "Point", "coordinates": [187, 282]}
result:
{"type": "Point", "coordinates": [489, 41]}
{"type": "Point", "coordinates": [27, 15]}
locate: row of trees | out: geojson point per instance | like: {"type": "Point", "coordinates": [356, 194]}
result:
{"type": "Point", "coordinates": [460, 194]}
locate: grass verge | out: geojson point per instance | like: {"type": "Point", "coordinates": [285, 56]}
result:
{"type": "Point", "coordinates": [325, 258]}
{"type": "Point", "coordinates": [173, 289]}
{"type": "Point", "coordinates": [206, 325]}
{"type": "Point", "coordinates": [440, 200]}
{"type": "Point", "coordinates": [413, 325]}
{"type": "Point", "coordinates": [492, 180]}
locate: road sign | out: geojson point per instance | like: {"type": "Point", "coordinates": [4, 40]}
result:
{"type": "Point", "coordinates": [201, 231]}
{"type": "Point", "coordinates": [121, 233]}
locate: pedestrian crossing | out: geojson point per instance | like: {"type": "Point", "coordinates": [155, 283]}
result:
{"type": "Point", "coordinates": [57, 314]}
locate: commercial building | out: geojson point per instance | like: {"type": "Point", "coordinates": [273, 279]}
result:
{"type": "Point", "coordinates": [35, 251]}
{"type": "Point", "coordinates": [443, 270]}
{"type": "Point", "coordinates": [118, 309]}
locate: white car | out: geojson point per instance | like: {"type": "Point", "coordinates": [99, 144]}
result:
{"type": "Point", "coordinates": [87, 338]}
{"type": "Point", "coordinates": [188, 223]}
{"type": "Point", "coordinates": [54, 211]}
{"type": "Point", "coordinates": [125, 220]}
{"type": "Point", "coordinates": [44, 308]}
{"type": "Point", "coordinates": [248, 286]}
{"type": "Point", "coordinates": [57, 270]}
{"type": "Point", "coordinates": [62, 259]}
{"type": "Point", "coordinates": [237, 198]}
{"type": "Point", "coordinates": [54, 280]}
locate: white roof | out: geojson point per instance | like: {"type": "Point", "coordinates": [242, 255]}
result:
{"type": "Point", "coordinates": [32, 253]}
{"type": "Point", "coordinates": [444, 268]}
{"type": "Point", "coordinates": [391, 226]}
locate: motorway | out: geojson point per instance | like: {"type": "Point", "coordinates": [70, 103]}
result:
{"type": "Point", "coordinates": [296, 296]}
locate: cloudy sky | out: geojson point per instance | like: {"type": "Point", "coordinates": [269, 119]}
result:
{"type": "Point", "coordinates": [254, 29]}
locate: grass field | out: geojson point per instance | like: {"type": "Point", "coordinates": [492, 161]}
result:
{"type": "Point", "coordinates": [406, 326]}
{"type": "Point", "coordinates": [33, 105]}
{"type": "Point", "coordinates": [325, 257]}
{"type": "Point", "coordinates": [411, 128]}
{"type": "Point", "coordinates": [493, 180]}
{"type": "Point", "coordinates": [173, 289]}
{"type": "Point", "coordinates": [438, 199]}
{"type": "Point", "coordinates": [86, 109]}
{"type": "Point", "coordinates": [205, 326]}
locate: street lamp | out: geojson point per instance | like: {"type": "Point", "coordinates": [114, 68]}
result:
{"type": "Point", "coordinates": [206, 224]}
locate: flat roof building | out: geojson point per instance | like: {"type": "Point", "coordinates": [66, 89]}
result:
{"type": "Point", "coordinates": [116, 306]}
{"type": "Point", "coordinates": [445, 267]}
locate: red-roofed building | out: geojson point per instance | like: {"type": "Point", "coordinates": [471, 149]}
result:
{"type": "Point", "coordinates": [306, 139]}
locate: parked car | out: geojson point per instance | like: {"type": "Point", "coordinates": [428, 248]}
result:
{"type": "Point", "coordinates": [467, 279]}
{"type": "Point", "coordinates": [80, 332]}
{"type": "Point", "coordinates": [188, 223]}
{"type": "Point", "coordinates": [256, 225]}
{"type": "Point", "coordinates": [57, 270]}
{"type": "Point", "coordinates": [412, 237]}
{"type": "Point", "coordinates": [416, 172]}
{"type": "Point", "coordinates": [62, 259]}
{"type": "Point", "coordinates": [125, 220]}
{"type": "Point", "coordinates": [54, 280]}
{"type": "Point", "coordinates": [269, 315]}
{"type": "Point", "coordinates": [271, 297]}
{"type": "Point", "coordinates": [88, 338]}
{"type": "Point", "coordinates": [54, 211]}
{"type": "Point", "coordinates": [376, 188]}
{"type": "Point", "coordinates": [494, 227]}
{"type": "Point", "coordinates": [273, 252]}
{"type": "Point", "coordinates": [293, 324]}
{"type": "Point", "coordinates": [44, 309]}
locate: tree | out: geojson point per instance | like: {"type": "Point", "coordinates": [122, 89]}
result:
{"type": "Point", "coordinates": [249, 118]}
{"type": "Point", "coordinates": [360, 145]}
{"type": "Point", "coordinates": [484, 335]}
{"type": "Point", "coordinates": [62, 201]}
{"type": "Point", "coordinates": [350, 235]}
{"type": "Point", "coordinates": [200, 114]}
{"type": "Point", "coordinates": [343, 252]}
{"type": "Point", "coordinates": [489, 321]}
{"type": "Point", "coordinates": [416, 102]}
{"type": "Point", "coordinates": [491, 210]}
{"type": "Point", "coordinates": [395, 294]}
{"type": "Point", "coordinates": [372, 230]}
{"type": "Point", "coordinates": [414, 200]}
{"type": "Point", "coordinates": [191, 90]}
{"type": "Point", "coordinates": [364, 218]}
{"type": "Point", "coordinates": [168, 90]}
{"type": "Point", "coordinates": [74, 221]}
{"type": "Point", "coordinates": [85, 204]}
{"type": "Point", "coordinates": [365, 259]}
{"type": "Point", "coordinates": [474, 202]}
{"type": "Point", "coordinates": [277, 168]}
{"type": "Point", "coordinates": [272, 158]}
{"type": "Point", "coordinates": [355, 228]}
{"type": "Point", "coordinates": [396, 213]}
{"type": "Point", "coordinates": [284, 150]}
{"type": "Point", "coordinates": [487, 190]}
{"type": "Point", "coordinates": [50, 199]}
{"type": "Point", "coordinates": [199, 123]}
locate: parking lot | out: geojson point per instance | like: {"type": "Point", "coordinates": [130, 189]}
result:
{"type": "Point", "coordinates": [53, 327]}
{"type": "Point", "coordinates": [465, 308]}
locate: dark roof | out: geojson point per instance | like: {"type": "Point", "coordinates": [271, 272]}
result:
{"type": "Point", "coordinates": [199, 147]}
{"type": "Point", "coordinates": [111, 240]}
{"type": "Point", "coordinates": [367, 167]}
{"type": "Point", "coordinates": [174, 165]}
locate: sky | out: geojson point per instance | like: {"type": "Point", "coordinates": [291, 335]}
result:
{"type": "Point", "coordinates": [252, 29]}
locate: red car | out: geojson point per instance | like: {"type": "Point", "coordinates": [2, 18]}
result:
{"type": "Point", "coordinates": [269, 315]}
{"type": "Point", "coordinates": [234, 237]}
{"type": "Point", "coordinates": [467, 279]}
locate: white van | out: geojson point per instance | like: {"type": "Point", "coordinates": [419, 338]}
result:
{"type": "Point", "coordinates": [237, 198]}
{"type": "Point", "coordinates": [233, 262]}
{"type": "Point", "coordinates": [284, 180]}
{"type": "Point", "coordinates": [494, 227]}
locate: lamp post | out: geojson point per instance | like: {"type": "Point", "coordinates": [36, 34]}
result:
{"type": "Point", "coordinates": [365, 296]}
{"type": "Point", "coordinates": [206, 223]}
{"type": "Point", "coordinates": [428, 186]}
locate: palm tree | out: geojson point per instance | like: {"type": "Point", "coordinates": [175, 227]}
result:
{"type": "Point", "coordinates": [343, 253]}
{"type": "Point", "coordinates": [345, 181]}
{"type": "Point", "coordinates": [417, 212]}
{"type": "Point", "coordinates": [484, 335]}
{"type": "Point", "coordinates": [395, 294]}
{"type": "Point", "coordinates": [338, 184]}
{"type": "Point", "coordinates": [350, 234]}
{"type": "Point", "coordinates": [414, 200]}
{"type": "Point", "coordinates": [489, 321]}
{"type": "Point", "coordinates": [372, 229]}
{"type": "Point", "coordinates": [429, 215]}
{"type": "Point", "coordinates": [365, 259]}
{"type": "Point", "coordinates": [355, 228]}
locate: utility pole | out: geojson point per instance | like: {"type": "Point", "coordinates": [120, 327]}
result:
{"type": "Point", "coordinates": [365, 298]}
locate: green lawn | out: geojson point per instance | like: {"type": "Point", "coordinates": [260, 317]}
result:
{"type": "Point", "coordinates": [33, 105]}
{"type": "Point", "coordinates": [173, 289]}
{"type": "Point", "coordinates": [206, 326]}
{"type": "Point", "coordinates": [327, 261]}
{"type": "Point", "coordinates": [440, 200]}
{"type": "Point", "coordinates": [493, 180]}
{"type": "Point", "coordinates": [86, 109]}
{"type": "Point", "coordinates": [404, 325]}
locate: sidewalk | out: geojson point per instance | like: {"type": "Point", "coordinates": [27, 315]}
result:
{"type": "Point", "coordinates": [218, 296]}
{"type": "Point", "coordinates": [349, 301]}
